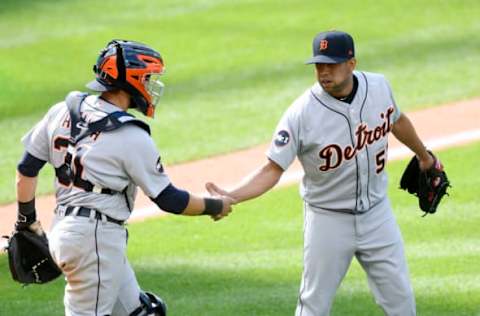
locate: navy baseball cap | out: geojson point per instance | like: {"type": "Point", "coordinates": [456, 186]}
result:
{"type": "Point", "coordinates": [332, 47]}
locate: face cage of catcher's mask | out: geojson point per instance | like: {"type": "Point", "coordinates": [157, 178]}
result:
{"type": "Point", "coordinates": [153, 86]}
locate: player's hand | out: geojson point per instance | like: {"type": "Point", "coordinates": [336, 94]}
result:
{"type": "Point", "coordinates": [227, 207]}
{"type": "Point", "coordinates": [216, 191]}
{"type": "Point", "coordinates": [426, 162]}
{"type": "Point", "coordinates": [226, 197]}
{"type": "Point", "coordinates": [35, 227]}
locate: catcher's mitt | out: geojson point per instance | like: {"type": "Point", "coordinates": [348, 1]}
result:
{"type": "Point", "coordinates": [29, 258]}
{"type": "Point", "coordinates": [429, 185]}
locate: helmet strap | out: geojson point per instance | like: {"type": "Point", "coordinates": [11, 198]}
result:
{"type": "Point", "coordinates": [120, 63]}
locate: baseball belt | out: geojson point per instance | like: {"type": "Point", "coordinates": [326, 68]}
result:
{"type": "Point", "coordinates": [85, 212]}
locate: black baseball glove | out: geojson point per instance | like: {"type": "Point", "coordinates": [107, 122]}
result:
{"type": "Point", "coordinates": [429, 186]}
{"type": "Point", "coordinates": [29, 258]}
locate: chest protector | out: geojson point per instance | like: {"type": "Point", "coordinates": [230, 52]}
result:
{"type": "Point", "coordinates": [79, 129]}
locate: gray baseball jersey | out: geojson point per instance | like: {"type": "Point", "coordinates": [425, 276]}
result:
{"type": "Point", "coordinates": [342, 147]}
{"type": "Point", "coordinates": [119, 160]}
{"type": "Point", "coordinates": [343, 150]}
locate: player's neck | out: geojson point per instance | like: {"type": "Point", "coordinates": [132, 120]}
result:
{"type": "Point", "coordinates": [118, 98]}
{"type": "Point", "coordinates": [349, 92]}
{"type": "Point", "coordinates": [345, 90]}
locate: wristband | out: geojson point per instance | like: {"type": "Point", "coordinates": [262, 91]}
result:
{"type": "Point", "coordinates": [212, 206]}
{"type": "Point", "coordinates": [26, 212]}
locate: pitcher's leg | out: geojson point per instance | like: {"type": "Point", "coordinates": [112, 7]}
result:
{"type": "Point", "coordinates": [386, 267]}
{"type": "Point", "coordinates": [328, 251]}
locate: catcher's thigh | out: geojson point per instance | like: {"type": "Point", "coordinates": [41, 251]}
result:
{"type": "Point", "coordinates": [91, 254]}
{"type": "Point", "coordinates": [129, 295]}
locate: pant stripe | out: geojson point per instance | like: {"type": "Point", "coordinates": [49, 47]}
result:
{"type": "Point", "coordinates": [98, 269]}
{"type": "Point", "coordinates": [303, 272]}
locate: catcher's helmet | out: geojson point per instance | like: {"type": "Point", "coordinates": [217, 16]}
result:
{"type": "Point", "coordinates": [133, 67]}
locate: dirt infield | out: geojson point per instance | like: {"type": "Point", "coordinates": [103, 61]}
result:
{"type": "Point", "coordinates": [439, 127]}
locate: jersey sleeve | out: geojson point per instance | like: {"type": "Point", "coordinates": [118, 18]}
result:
{"type": "Point", "coordinates": [143, 163]}
{"type": "Point", "coordinates": [397, 112]}
{"type": "Point", "coordinates": [285, 143]}
{"type": "Point", "coordinates": [36, 141]}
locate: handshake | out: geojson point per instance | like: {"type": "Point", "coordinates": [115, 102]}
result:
{"type": "Point", "coordinates": [227, 199]}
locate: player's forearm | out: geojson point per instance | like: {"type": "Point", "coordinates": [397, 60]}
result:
{"type": "Point", "coordinates": [26, 215]}
{"type": "Point", "coordinates": [259, 182]}
{"type": "Point", "coordinates": [181, 202]}
{"type": "Point", "coordinates": [404, 131]}
{"type": "Point", "coordinates": [216, 207]}
{"type": "Point", "coordinates": [195, 206]}
{"type": "Point", "coordinates": [26, 187]}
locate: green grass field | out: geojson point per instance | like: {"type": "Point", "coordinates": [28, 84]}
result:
{"type": "Point", "coordinates": [250, 263]}
{"type": "Point", "coordinates": [232, 66]}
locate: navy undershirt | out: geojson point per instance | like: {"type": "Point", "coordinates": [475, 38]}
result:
{"type": "Point", "coordinates": [172, 200]}
{"type": "Point", "coordinates": [30, 165]}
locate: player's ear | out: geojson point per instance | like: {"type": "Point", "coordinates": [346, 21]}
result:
{"type": "Point", "coordinates": [352, 63]}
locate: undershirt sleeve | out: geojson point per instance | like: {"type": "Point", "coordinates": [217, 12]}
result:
{"type": "Point", "coordinates": [30, 165]}
{"type": "Point", "coordinates": [172, 200]}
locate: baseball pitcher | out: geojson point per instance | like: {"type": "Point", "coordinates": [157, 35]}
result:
{"type": "Point", "coordinates": [339, 129]}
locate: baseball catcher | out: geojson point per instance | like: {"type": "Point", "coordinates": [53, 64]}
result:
{"type": "Point", "coordinates": [102, 155]}
{"type": "Point", "coordinates": [428, 185]}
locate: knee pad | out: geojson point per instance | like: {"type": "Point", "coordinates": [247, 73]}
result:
{"type": "Point", "coordinates": [151, 305]}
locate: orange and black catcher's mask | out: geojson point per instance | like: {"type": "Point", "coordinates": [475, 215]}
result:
{"type": "Point", "coordinates": [133, 67]}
